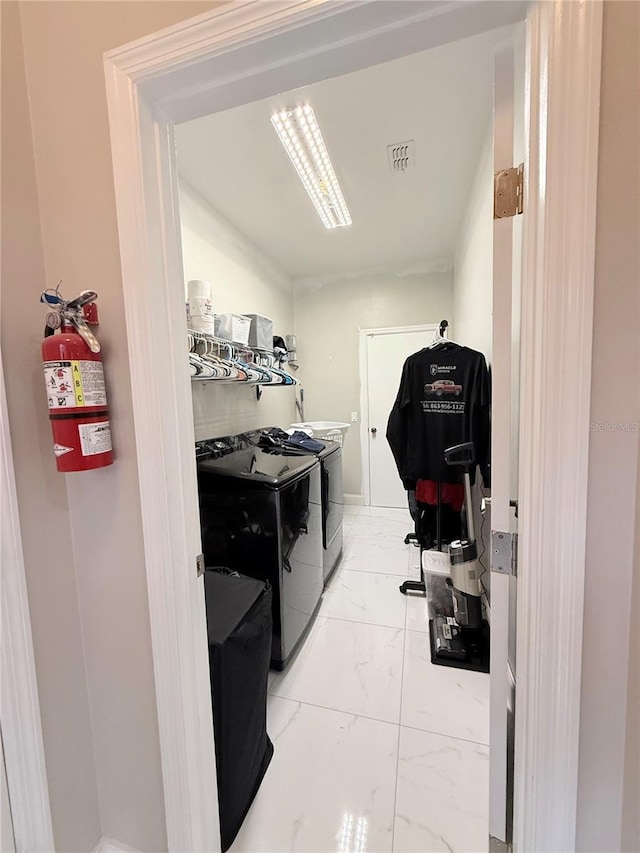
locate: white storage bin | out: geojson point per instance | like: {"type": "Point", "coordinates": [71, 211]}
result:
{"type": "Point", "coordinates": [261, 331]}
{"type": "Point", "coordinates": [234, 327]}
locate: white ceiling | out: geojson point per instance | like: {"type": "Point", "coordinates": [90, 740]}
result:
{"type": "Point", "coordinates": [441, 98]}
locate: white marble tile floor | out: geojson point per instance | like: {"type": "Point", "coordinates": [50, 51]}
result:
{"type": "Point", "coordinates": [376, 749]}
{"type": "Point", "coordinates": [371, 553]}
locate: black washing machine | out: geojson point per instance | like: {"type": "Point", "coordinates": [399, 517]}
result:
{"type": "Point", "coordinates": [331, 488]}
{"type": "Point", "coordinates": [261, 515]}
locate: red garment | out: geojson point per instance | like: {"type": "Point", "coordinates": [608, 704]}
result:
{"type": "Point", "coordinates": [451, 494]}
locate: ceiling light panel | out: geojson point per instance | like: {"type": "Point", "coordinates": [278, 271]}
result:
{"type": "Point", "coordinates": [301, 136]}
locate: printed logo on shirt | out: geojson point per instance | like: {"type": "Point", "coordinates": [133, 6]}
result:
{"type": "Point", "coordinates": [442, 388]}
{"type": "Point", "coordinates": [441, 368]}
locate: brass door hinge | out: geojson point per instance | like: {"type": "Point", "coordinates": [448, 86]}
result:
{"type": "Point", "coordinates": [199, 565]}
{"type": "Point", "coordinates": [508, 189]}
{"type": "Point", "coordinates": [504, 553]}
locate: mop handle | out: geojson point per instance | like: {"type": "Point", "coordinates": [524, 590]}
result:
{"type": "Point", "coordinates": [471, 528]}
{"type": "Point", "coordinates": [462, 455]}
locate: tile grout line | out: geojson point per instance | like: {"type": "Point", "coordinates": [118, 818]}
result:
{"type": "Point", "coordinates": [378, 720]}
{"type": "Point", "coordinates": [335, 710]}
{"type": "Point", "coordinates": [365, 572]}
{"type": "Point", "coordinates": [449, 737]}
{"type": "Point", "coordinates": [360, 622]}
{"type": "Point", "coordinates": [370, 572]}
{"type": "Point", "coordinates": [395, 793]}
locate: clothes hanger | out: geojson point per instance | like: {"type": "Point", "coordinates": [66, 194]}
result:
{"type": "Point", "coordinates": [439, 338]}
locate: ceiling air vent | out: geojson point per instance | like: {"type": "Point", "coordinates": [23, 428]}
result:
{"type": "Point", "coordinates": [402, 156]}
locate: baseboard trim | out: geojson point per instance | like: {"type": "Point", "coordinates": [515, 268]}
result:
{"type": "Point", "coordinates": [354, 500]}
{"type": "Point", "coordinates": [108, 845]}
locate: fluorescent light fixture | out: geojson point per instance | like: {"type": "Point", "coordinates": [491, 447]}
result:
{"type": "Point", "coordinates": [299, 133]}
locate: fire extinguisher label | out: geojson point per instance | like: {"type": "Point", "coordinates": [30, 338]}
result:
{"type": "Point", "coordinates": [95, 438]}
{"type": "Point", "coordinates": [73, 384]}
{"type": "Point", "coordinates": [60, 449]}
{"type": "Point", "coordinates": [58, 377]}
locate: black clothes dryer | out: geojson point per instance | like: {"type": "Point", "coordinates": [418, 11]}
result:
{"type": "Point", "coordinates": [261, 514]}
{"type": "Point", "coordinates": [332, 494]}
{"type": "Point", "coordinates": [239, 629]}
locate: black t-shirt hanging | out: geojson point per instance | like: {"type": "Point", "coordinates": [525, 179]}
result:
{"type": "Point", "coordinates": [443, 400]}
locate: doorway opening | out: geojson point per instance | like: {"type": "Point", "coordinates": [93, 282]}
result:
{"type": "Point", "coordinates": [150, 262]}
{"type": "Point", "coordinates": [282, 289]}
{"type": "Point", "coordinates": [383, 353]}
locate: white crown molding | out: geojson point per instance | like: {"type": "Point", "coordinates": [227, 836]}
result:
{"type": "Point", "coordinates": [176, 66]}
{"type": "Point", "coordinates": [229, 25]}
{"type": "Point", "coordinates": [427, 266]}
{"type": "Point", "coordinates": [232, 242]}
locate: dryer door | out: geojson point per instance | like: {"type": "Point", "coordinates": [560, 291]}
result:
{"type": "Point", "coordinates": [332, 497]}
{"type": "Point", "coordinates": [301, 556]}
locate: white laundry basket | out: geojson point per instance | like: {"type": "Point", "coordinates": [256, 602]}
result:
{"type": "Point", "coordinates": [329, 430]}
{"type": "Point", "coordinates": [336, 435]}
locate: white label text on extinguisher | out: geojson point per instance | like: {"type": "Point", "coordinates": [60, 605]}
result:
{"type": "Point", "coordinates": [95, 438]}
{"type": "Point", "coordinates": [73, 384]}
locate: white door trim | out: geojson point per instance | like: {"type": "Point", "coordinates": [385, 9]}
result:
{"type": "Point", "coordinates": [564, 58]}
{"type": "Point", "coordinates": [363, 362]}
{"type": "Point", "coordinates": [19, 705]}
{"type": "Point", "coordinates": [161, 79]}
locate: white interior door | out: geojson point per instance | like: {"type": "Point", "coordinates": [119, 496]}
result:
{"type": "Point", "coordinates": [508, 145]}
{"type": "Point", "coordinates": [385, 354]}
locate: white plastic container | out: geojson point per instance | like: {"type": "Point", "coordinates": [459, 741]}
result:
{"type": "Point", "coordinates": [261, 332]}
{"type": "Point", "coordinates": [200, 316]}
{"type": "Point", "coordinates": [234, 327]}
{"type": "Point", "coordinates": [331, 430]}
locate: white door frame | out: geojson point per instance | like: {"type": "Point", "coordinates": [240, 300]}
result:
{"type": "Point", "coordinates": [363, 362]}
{"type": "Point", "coordinates": [219, 60]}
{"type": "Point", "coordinates": [19, 705]}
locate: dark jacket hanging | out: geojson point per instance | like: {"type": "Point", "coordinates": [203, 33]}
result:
{"type": "Point", "coordinates": [443, 400]}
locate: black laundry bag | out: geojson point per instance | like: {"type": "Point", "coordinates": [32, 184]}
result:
{"type": "Point", "coordinates": [239, 626]}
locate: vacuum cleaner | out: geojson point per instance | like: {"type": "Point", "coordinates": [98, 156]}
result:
{"type": "Point", "coordinates": [462, 640]}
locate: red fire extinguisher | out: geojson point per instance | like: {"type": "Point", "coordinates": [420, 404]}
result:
{"type": "Point", "coordinates": [76, 393]}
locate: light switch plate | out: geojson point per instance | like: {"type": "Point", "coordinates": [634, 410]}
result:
{"type": "Point", "coordinates": [354, 417]}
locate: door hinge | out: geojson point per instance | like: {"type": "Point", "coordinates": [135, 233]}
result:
{"type": "Point", "coordinates": [504, 553]}
{"type": "Point", "coordinates": [200, 565]}
{"type": "Point", "coordinates": [508, 191]}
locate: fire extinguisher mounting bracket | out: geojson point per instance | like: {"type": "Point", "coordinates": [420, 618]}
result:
{"type": "Point", "coordinates": [85, 333]}
{"type": "Point", "coordinates": [71, 312]}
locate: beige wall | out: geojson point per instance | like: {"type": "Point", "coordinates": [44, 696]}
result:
{"type": "Point", "coordinates": [243, 280]}
{"type": "Point", "coordinates": [42, 493]}
{"type": "Point", "coordinates": [473, 261]}
{"type": "Point", "coordinates": [609, 717]}
{"type": "Point", "coordinates": [86, 581]}
{"type": "Point", "coordinates": [327, 317]}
